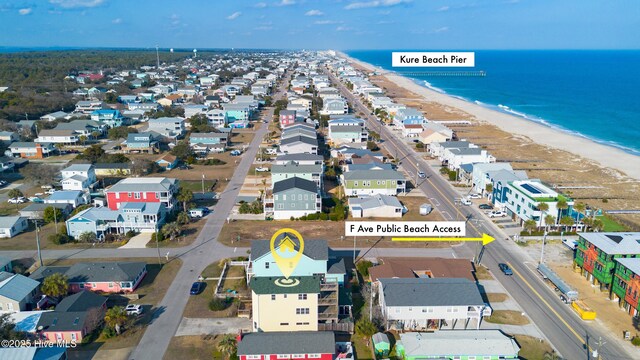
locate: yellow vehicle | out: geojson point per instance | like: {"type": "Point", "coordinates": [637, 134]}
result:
{"type": "Point", "coordinates": [583, 310]}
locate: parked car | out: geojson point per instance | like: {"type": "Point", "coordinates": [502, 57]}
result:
{"type": "Point", "coordinates": [485, 206]}
{"type": "Point", "coordinates": [235, 153]}
{"type": "Point", "coordinates": [422, 175]}
{"type": "Point", "coordinates": [497, 213]}
{"type": "Point", "coordinates": [18, 200]}
{"type": "Point", "coordinates": [3, 183]}
{"type": "Point", "coordinates": [262, 169]}
{"type": "Point", "coordinates": [475, 196]}
{"type": "Point", "coordinates": [465, 201]}
{"type": "Point", "coordinates": [134, 309]}
{"type": "Point", "coordinates": [36, 199]}
{"type": "Point", "coordinates": [50, 191]}
{"type": "Point", "coordinates": [505, 269]}
{"type": "Point", "coordinates": [198, 212]}
{"type": "Point", "coordinates": [196, 288]}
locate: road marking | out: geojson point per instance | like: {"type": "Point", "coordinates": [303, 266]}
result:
{"type": "Point", "coordinates": [578, 336]}
{"type": "Point", "coordinates": [435, 201]}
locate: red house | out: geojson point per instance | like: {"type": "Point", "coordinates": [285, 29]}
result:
{"type": "Point", "coordinates": [287, 345]}
{"type": "Point", "coordinates": [107, 277]}
{"type": "Point", "coordinates": [287, 117]}
{"type": "Point", "coordinates": [147, 189]}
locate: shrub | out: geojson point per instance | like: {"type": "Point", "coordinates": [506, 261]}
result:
{"type": "Point", "coordinates": [218, 304]}
{"type": "Point", "coordinates": [130, 234]}
{"type": "Point", "coordinates": [58, 239]}
{"type": "Point", "coordinates": [108, 332]}
{"type": "Point", "coordinates": [244, 208]}
{"type": "Point", "coordinates": [292, 218]}
{"type": "Point", "coordinates": [363, 267]}
{"type": "Point", "coordinates": [453, 176]}
{"type": "Point", "coordinates": [419, 145]}
{"type": "Point", "coordinates": [324, 216]}
{"type": "Point", "coordinates": [157, 234]}
{"type": "Point", "coordinates": [635, 341]}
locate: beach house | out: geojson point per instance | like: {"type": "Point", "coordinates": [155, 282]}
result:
{"type": "Point", "coordinates": [383, 206]}
{"type": "Point", "coordinates": [143, 190]}
{"type": "Point", "coordinates": [287, 345]}
{"type": "Point", "coordinates": [523, 197]}
{"type": "Point", "coordinates": [464, 345]}
{"type": "Point", "coordinates": [293, 198]}
{"type": "Point", "coordinates": [372, 182]}
{"type": "Point", "coordinates": [312, 172]}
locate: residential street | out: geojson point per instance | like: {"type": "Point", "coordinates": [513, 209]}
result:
{"type": "Point", "coordinates": [568, 334]}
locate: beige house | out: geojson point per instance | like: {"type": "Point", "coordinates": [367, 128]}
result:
{"type": "Point", "coordinates": [17, 292]}
{"type": "Point", "coordinates": [279, 304]}
{"type": "Point", "coordinates": [430, 136]}
{"type": "Point", "coordinates": [303, 101]}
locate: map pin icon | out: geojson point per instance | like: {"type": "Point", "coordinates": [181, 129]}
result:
{"type": "Point", "coordinates": [286, 247]}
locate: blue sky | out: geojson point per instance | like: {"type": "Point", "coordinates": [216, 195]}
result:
{"type": "Point", "coordinates": [322, 24]}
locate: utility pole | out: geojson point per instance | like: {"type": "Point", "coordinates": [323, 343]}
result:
{"type": "Point", "coordinates": [203, 184]}
{"type": "Point", "coordinates": [38, 243]}
{"type": "Point", "coordinates": [55, 217]}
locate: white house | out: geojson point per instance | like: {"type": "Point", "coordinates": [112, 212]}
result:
{"type": "Point", "coordinates": [523, 197]}
{"type": "Point", "coordinates": [334, 106]}
{"type": "Point", "coordinates": [11, 226]}
{"type": "Point", "coordinates": [383, 206]}
{"type": "Point", "coordinates": [78, 177]}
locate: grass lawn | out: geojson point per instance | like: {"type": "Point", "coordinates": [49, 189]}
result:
{"type": "Point", "coordinates": [507, 317]}
{"type": "Point", "coordinates": [331, 231]}
{"type": "Point", "coordinates": [482, 273]}
{"type": "Point", "coordinates": [496, 297]}
{"type": "Point", "coordinates": [189, 234]}
{"type": "Point", "coordinates": [611, 225]}
{"type": "Point", "coordinates": [27, 240]}
{"type": "Point", "coordinates": [533, 348]}
{"type": "Point", "coordinates": [195, 347]}
{"type": "Point", "coordinates": [362, 350]}
{"type": "Point", "coordinates": [151, 291]}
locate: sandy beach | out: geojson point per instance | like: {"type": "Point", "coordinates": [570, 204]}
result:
{"type": "Point", "coordinates": [605, 156]}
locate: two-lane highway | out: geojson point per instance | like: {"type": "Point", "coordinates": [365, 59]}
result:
{"type": "Point", "coordinates": [570, 336]}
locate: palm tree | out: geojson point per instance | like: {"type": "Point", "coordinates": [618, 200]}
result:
{"type": "Point", "coordinates": [549, 220]}
{"type": "Point", "coordinates": [171, 230]}
{"type": "Point", "coordinates": [530, 225]}
{"type": "Point", "coordinates": [597, 225]}
{"type": "Point", "coordinates": [83, 139]}
{"type": "Point", "coordinates": [543, 207]}
{"type": "Point", "coordinates": [184, 196]}
{"type": "Point", "coordinates": [562, 205]}
{"type": "Point", "coordinates": [567, 221]}
{"type": "Point", "coordinates": [115, 318]}
{"type": "Point", "coordinates": [55, 285]}
{"type": "Point", "coordinates": [227, 346]}
{"type": "Point", "coordinates": [579, 207]}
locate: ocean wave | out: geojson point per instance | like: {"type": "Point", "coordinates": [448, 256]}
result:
{"type": "Point", "coordinates": [430, 86]}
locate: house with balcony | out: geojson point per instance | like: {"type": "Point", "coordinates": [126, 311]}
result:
{"type": "Point", "coordinates": [169, 127]}
{"type": "Point", "coordinates": [88, 128]}
{"type": "Point", "coordinates": [499, 180]}
{"type": "Point", "coordinates": [626, 285]}
{"type": "Point", "coordinates": [299, 144]}
{"type": "Point", "coordinates": [32, 150]}
{"type": "Point", "coordinates": [313, 172]}
{"type": "Point", "coordinates": [110, 117]}
{"type": "Point", "coordinates": [237, 112]}
{"type": "Point", "coordinates": [58, 136]}
{"type": "Point", "coordinates": [301, 159]}
{"type": "Point", "coordinates": [293, 197]}
{"type": "Point", "coordinates": [204, 143]}
{"type": "Point", "coordinates": [482, 174]}
{"type": "Point", "coordinates": [335, 106]}
{"type": "Point", "coordinates": [144, 142]}
{"type": "Point", "coordinates": [523, 197]}
{"type": "Point", "coordinates": [410, 121]}
{"type": "Point", "coordinates": [597, 254]}
{"type": "Point", "coordinates": [373, 182]}
{"type": "Point", "coordinates": [435, 132]}
{"type": "Point", "coordinates": [437, 149]}
{"type": "Point", "coordinates": [78, 177]}
{"type": "Point", "coordinates": [86, 107]}
{"type": "Point", "coordinates": [347, 130]}
{"type": "Point", "coordinates": [430, 303]}
{"type": "Point", "coordinates": [134, 216]}
{"type": "Point", "coordinates": [295, 131]}
{"type": "Point", "coordinates": [217, 118]}
{"type": "Point", "coordinates": [286, 118]}
{"type": "Point", "coordinates": [143, 190]}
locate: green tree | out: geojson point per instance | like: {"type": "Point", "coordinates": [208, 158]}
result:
{"type": "Point", "coordinates": [597, 224]}
{"type": "Point", "coordinates": [549, 220]}
{"type": "Point", "coordinates": [92, 153]}
{"type": "Point", "coordinates": [580, 207]}
{"type": "Point", "coordinates": [83, 139]}
{"type": "Point", "coordinates": [171, 230]}
{"type": "Point", "coordinates": [530, 225]}
{"type": "Point", "coordinates": [543, 207]}
{"type": "Point", "coordinates": [562, 205]}
{"type": "Point", "coordinates": [87, 237]}
{"type": "Point", "coordinates": [363, 267]}
{"type": "Point", "coordinates": [52, 214]}
{"type": "Point", "coordinates": [55, 285]}
{"type": "Point", "coordinates": [227, 346]}
{"type": "Point", "coordinates": [184, 196]}
{"type": "Point", "coordinates": [567, 221]}
{"type": "Point", "coordinates": [7, 329]}
{"type": "Point", "coordinates": [120, 132]}
{"type": "Point", "coordinates": [366, 328]}
{"type": "Point", "coordinates": [115, 318]}
{"type": "Point", "coordinates": [183, 218]}
{"type": "Point", "coordinates": [182, 150]}
{"type": "Point", "coordinates": [15, 193]}
{"type": "Point", "coordinates": [200, 124]}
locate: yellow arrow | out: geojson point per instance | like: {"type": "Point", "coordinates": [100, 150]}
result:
{"type": "Point", "coordinates": [485, 239]}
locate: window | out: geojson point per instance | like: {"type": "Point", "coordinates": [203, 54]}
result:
{"type": "Point", "coordinates": [110, 284]}
{"type": "Point", "coordinates": [284, 324]}
{"type": "Point", "coordinates": [298, 356]}
{"type": "Point", "coordinates": [275, 197]}
{"type": "Point", "coordinates": [302, 311]}
{"type": "Point", "coordinates": [273, 296]}
{"type": "Point", "coordinates": [284, 197]}
{"type": "Point", "coordinates": [299, 196]}
{"type": "Point", "coordinates": [136, 195]}
{"type": "Point", "coordinates": [157, 195]}
{"type": "Point", "coordinates": [313, 356]}
{"type": "Point", "coordinates": [266, 265]}
{"type": "Point", "coordinates": [302, 296]}
{"type": "Point", "coordinates": [129, 194]}
{"type": "Point", "coordinates": [280, 206]}
{"type": "Point", "coordinates": [254, 357]}
{"type": "Point", "coordinates": [282, 356]}
{"type": "Point", "coordinates": [306, 197]}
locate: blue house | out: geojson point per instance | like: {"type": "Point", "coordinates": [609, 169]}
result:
{"type": "Point", "coordinates": [141, 142]}
{"type": "Point", "coordinates": [136, 216]}
{"type": "Point", "coordinates": [128, 99]}
{"type": "Point", "coordinates": [408, 116]}
{"type": "Point", "coordinates": [168, 162]}
{"type": "Point", "coordinates": [112, 118]}
{"type": "Point", "coordinates": [317, 258]}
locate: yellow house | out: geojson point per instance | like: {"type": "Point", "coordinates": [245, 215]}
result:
{"type": "Point", "coordinates": [285, 305]}
{"type": "Point", "coordinates": [429, 136]}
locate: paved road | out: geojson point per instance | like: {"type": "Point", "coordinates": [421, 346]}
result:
{"type": "Point", "coordinates": [206, 250]}
{"type": "Point", "coordinates": [568, 334]}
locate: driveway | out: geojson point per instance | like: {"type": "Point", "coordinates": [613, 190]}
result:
{"type": "Point", "coordinates": [201, 326]}
{"type": "Point", "coordinates": [137, 242]}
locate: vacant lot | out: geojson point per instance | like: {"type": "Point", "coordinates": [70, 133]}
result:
{"type": "Point", "coordinates": [332, 231]}
{"type": "Point", "coordinates": [533, 348]}
{"type": "Point", "coordinates": [27, 240]}
{"type": "Point", "coordinates": [194, 348]}
{"type": "Point", "coordinates": [508, 317]}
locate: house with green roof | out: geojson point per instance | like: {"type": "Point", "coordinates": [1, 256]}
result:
{"type": "Point", "coordinates": [597, 255]}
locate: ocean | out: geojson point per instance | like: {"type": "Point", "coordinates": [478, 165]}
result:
{"type": "Point", "coordinates": [590, 93]}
